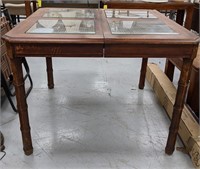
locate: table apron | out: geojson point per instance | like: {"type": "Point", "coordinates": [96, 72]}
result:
{"type": "Point", "coordinates": [147, 51]}
{"type": "Point", "coordinates": [101, 50]}
{"type": "Point", "coordinates": [58, 50]}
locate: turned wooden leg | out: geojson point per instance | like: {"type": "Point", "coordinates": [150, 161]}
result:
{"type": "Point", "coordinates": [169, 69]}
{"type": "Point", "coordinates": [143, 73]}
{"type": "Point", "coordinates": [49, 72]}
{"type": "Point", "coordinates": [16, 64]}
{"type": "Point", "coordinates": [178, 106]}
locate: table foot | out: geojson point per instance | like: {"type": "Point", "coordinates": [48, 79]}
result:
{"type": "Point", "coordinates": [50, 86]}
{"type": "Point", "coordinates": [141, 86]}
{"type": "Point", "coordinates": [169, 150]}
{"type": "Point", "coordinates": [28, 152]}
{"type": "Point", "coordinates": [170, 147]}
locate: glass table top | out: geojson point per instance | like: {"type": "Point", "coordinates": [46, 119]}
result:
{"type": "Point", "coordinates": [70, 13]}
{"type": "Point", "coordinates": [59, 26]}
{"type": "Point", "coordinates": [129, 14]}
{"type": "Point", "coordinates": [123, 27]}
{"type": "Point", "coordinates": [120, 22]}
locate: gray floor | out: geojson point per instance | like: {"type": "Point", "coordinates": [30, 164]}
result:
{"type": "Point", "coordinates": [94, 118]}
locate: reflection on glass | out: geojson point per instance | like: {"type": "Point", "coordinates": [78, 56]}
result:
{"type": "Point", "coordinates": [139, 27]}
{"type": "Point", "coordinates": [38, 25]}
{"type": "Point", "coordinates": [70, 13]}
{"type": "Point", "coordinates": [86, 26]}
{"type": "Point", "coordinates": [63, 26]}
{"type": "Point", "coordinates": [59, 26]}
{"type": "Point", "coordinates": [129, 14]}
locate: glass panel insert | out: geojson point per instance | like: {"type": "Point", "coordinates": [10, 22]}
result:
{"type": "Point", "coordinates": [70, 13]}
{"type": "Point", "coordinates": [129, 14]}
{"type": "Point", "coordinates": [63, 27]}
{"type": "Point", "coordinates": [139, 27]}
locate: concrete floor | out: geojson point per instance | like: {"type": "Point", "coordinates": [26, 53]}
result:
{"type": "Point", "coordinates": [94, 118]}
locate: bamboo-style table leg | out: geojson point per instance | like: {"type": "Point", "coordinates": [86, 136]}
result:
{"type": "Point", "coordinates": [143, 73]}
{"type": "Point", "coordinates": [16, 65]}
{"type": "Point", "coordinates": [49, 72]}
{"type": "Point", "coordinates": [178, 106]}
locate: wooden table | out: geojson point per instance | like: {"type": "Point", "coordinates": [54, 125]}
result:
{"type": "Point", "coordinates": [93, 38]}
